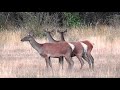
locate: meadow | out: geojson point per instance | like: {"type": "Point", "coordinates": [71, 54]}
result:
{"type": "Point", "coordinates": [19, 60]}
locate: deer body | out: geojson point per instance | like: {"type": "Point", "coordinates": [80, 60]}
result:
{"type": "Point", "coordinates": [90, 46]}
{"type": "Point", "coordinates": [51, 40]}
{"type": "Point", "coordinates": [87, 49]}
{"type": "Point", "coordinates": [48, 50]}
{"type": "Point", "coordinates": [78, 51]}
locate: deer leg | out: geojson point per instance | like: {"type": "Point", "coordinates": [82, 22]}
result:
{"type": "Point", "coordinates": [50, 64]}
{"type": "Point", "coordinates": [92, 60]}
{"type": "Point", "coordinates": [81, 60]}
{"type": "Point", "coordinates": [61, 61]}
{"type": "Point", "coordinates": [47, 59]}
{"type": "Point", "coordinates": [47, 64]}
{"type": "Point", "coordinates": [70, 62]}
{"type": "Point", "coordinates": [87, 58]}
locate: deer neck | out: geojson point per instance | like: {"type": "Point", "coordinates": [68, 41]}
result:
{"type": "Point", "coordinates": [62, 37]}
{"type": "Point", "coordinates": [50, 38]}
{"type": "Point", "coordinates": [36, 45]}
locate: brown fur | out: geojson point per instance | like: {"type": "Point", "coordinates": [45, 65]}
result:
{"type": "Point", "coordinates": [90, 46]}
{"type": "Point", "coordinates": [87, 56]}
{"type": "Point", "coordinates": [78, 51]}
{"type": "Point", "coordinates": [48, 50]}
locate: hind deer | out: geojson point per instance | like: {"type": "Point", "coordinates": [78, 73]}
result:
{"type": "Point", "coordinates": [76, 52]}
{"type": "Point", "coordinates": [88, 49]}
{"type": "Point", "coordinates": [51, 40]}
{"type": "Point", "coordinates": [48, 50]}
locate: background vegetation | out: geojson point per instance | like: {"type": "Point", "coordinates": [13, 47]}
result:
{"type": "Point", "coordinates": [58, 19]}
{"type": "Point", "coordinates": [18, 59]}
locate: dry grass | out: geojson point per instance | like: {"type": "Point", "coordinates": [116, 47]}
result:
{"type": "Point", "coordinates": [20, 60]}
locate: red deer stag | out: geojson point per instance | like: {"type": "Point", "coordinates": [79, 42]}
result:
{"type": "Point", "coordinates": [76, 52]}
{"type": "Point", "coordinates": [48, 50]}
{"type": "Point", "coordinates": [87, 45]}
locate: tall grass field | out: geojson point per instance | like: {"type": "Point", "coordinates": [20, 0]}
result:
{"type": "Point", "coordinates": [19, 60]}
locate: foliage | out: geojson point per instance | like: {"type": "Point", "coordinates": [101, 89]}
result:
{"type": "Point", "coordinates": [72, 19]}
{"type": "Point", "coordinates": [37, 20]}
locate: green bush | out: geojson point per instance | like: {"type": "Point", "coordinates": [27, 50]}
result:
{"type": "Point", "coordinates": [72, 19]}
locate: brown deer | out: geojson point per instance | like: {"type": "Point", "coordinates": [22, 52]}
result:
{"type": "Point", "coordinates": [49, 37]}
{"type": "Point", "coordinates": [77, 52]}
{"type": "Point", "coordinates": [48, 50]}
{"type": "Point", "coordinates": [51, 40]}
{"type": "Point", "coordinates": [88, 51]}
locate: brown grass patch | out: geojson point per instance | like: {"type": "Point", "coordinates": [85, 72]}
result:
{"type": "Point", "coordinates": [19, 59]}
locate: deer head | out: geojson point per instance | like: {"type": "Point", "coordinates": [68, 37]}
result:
{"type": "Point", "coordinates": [28, 37]}
{"type": "Point", "coordinates": [48, 31]}
{"type": "Point", "coordinates": [62, 31]}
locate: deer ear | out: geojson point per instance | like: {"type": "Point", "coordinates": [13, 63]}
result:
{"type": "Point", "coordinates": [58, 30]}
{"type": "Point", "coordinates": [65, 30]}
{"type": "Point", "coordinates": [31, 33]}
{"type": "Point", "coordinates": [45, 30]}
{"type": "Point", "coordinates": [52, 30]}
